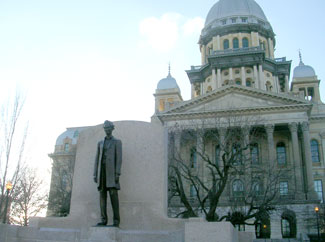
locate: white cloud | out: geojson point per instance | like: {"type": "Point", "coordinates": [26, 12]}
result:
{"type": "Point", "coordinates": [161, 33]}
{"type": "Point", "coordinates": [193, 26]}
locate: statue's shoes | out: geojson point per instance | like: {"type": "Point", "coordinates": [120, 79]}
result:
{"type": "Point", "coordinates": [101, 224]}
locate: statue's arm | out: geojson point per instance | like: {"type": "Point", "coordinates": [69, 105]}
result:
{"type": "Point", "coordinates": [96, 163]}
{"type": "Point", "coordinates": [118, 157]}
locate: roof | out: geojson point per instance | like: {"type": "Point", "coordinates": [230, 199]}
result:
{"type": "Point", "coordinates": [303, 71]}
{"type": "Point", "coordinates": [71, 133]}
{"type": "Point", "coordinates": [229, 8]}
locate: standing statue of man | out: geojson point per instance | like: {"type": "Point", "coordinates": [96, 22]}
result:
{"type": "Point", "coordinates": [107, 171]}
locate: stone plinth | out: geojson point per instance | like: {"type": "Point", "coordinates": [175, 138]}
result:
{"type": "Point", "coordinates": [102, 234]}
{"type": "Point", "coordinates": [199, 231]}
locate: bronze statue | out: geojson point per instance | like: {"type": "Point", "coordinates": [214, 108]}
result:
{"type": "Point", "coordinates": [107, 171]}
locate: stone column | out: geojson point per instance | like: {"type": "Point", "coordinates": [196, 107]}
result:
{"type": "Point", "coordinates": [219, 84]}
{"type": "Point", "coordinates": [308, 162]}
{"type": "Point", "coordinates": [203, 54]}
{"type": "Point", "coordinates": [261, 77]}
{"type": "Point", "coordinates": [287, 83]}
{"type": "Point", "coordinates": [222, 146]}
{"type": "Point", "coordinates": [214, 79]}
{"type": "Point", "coordinates": [297, 162]}
{"type": "Point", "coordinates": [270, 142]}
{"type": "Point", "coordinates": [199, 152]}
{"type": "Point", "coordinates": [271, 48]}
{"type": "Point", "coordinates": [256, 77]}
{"type": "Point", "coordinates": [246, 153]}
{"type": "Point", "coordinates": [231, 79]}
{"type": "Point", "coordinates": [322, 135]}
{"type": "Point", "coordinates": [218, 42]}
{"type": "Point", "coordinates": [243, 76]}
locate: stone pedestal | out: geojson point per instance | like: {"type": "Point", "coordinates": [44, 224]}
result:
{"type": "Point", "coordinates": [202, 231]}
{"type": "Point", "coordinates": [102, 234]}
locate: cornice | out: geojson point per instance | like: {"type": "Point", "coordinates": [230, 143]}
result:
{"type": "Point", "coordinates": [239, 89]}
{"type": "Point", "coordinates": [239, 111]}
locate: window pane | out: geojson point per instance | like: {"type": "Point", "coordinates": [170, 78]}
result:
{"type": "Point", "coordinates": [235, 43]}
{"type": "Point", "coordinates": [314, 151]}
{"type": "Point", "coordinates": [284, 188]}
{"type": "Point", "coordinates": [193, 158]}
{"type": "Point", "coordinates": [319, 189]}
{"type": "Point", "coordinates": [281, 154]}
{"type": "Point", "coordinates": [217, 154]}
{"type": "Point", "coordinates": [226, 44]}
{"type": "Point", "coordinates": [245, 42]}
{"type": "Point", "coordinates": [285, 228]}
{"type": "Point", "coordinates": [192, 191]}
{"type": "Point", "coordinates": [254, 153]}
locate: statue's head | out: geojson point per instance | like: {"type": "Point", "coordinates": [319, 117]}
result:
{"type": "Point", "coordinates": [108, 127]}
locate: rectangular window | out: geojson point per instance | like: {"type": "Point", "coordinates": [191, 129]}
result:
{"type": "Point", "coordinates": [193, 158]}
{"type": "Point", "coordinates": [284, 188]}
{"type": "Point", "coordinates": [233, 20]}
{"type": "Point", "coordinates": [319, 189]}
{"type": "Point", "coordinates": [217, 154]}
{"type": "Point", "coordinates": [224, 22]}
{"type": "Point", "coordinates": [66, 147]}
{"type": "Point", "coordinates": [244, 20]}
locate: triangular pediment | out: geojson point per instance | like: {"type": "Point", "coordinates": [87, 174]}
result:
{"type": "Point", "coordinates": [236, 98]}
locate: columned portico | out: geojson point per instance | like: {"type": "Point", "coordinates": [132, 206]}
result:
{"type": "Point", "coordinates": [297, 161]}
{"type": "Point", "coordinates": [308, 162]}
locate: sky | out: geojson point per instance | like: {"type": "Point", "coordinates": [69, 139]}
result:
{"type": "Point", "coordinates": [80, 62]}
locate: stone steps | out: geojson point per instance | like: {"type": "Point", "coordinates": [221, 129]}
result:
{"type": "Point", "coordinates": [10, 233]}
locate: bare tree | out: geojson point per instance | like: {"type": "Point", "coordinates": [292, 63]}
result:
{"type": "Point", "coordinates": [12, 144]}
{"type": "Point", "coordinates": [29, 197]}
{"type": "Point", "coordinates": [61, 188]}
{"type": "Point", "coordinates": [207, 172]}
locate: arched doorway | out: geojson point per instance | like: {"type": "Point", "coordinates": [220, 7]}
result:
{"type": "Point", "coordinates": [288, 224]}
{"type": "Point", "coordinates": [263, 226]}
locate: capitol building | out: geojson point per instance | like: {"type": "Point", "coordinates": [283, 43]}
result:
{"type": "Point", "coordinates": [280, 118]}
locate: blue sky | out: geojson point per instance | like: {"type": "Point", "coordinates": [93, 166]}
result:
{"type": "Point", "coordinates": [80, 62]}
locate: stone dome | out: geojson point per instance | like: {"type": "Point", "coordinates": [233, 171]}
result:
{"type": "Point", "coordinates": [303, 71]}
{"type": "Point", "coordinates": [71, 133]}
{"type": "Point", "coordinates": [230, 8]}
{"type": "Point", "coordinates": [167, 83]}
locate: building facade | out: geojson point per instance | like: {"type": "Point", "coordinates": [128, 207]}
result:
{"type": "Point", "coordinates": [63, 160]}
{"type": "Point", "coordinates": [241, 85]}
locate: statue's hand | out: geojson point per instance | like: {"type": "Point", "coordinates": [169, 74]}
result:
{"type": "Point", "coordinates": [95, 179]}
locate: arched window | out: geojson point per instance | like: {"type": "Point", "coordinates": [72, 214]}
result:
{"type": "Point", "coordinates": [226, 44]}
{"type": "Point", "coordinates": [226, 82]}
{"type": "Point", "coordinates": [193, 158]}
{"type": "Point", "coordinates": [238, 81]}
{"type": "Point", "coordinates": [256, 187]}
{"type": "Point", "coordinates": [66, 147]}
{"type": "Point", "coordinates": [245, 42]}
{"type": "Point", "coordinates": [254, 153]}
{"type": "Point", "coordinates": [314, 150]}
{"type": "Point", "coordinates": [281, 153]}
{"type": "Point", "coordinates": [235, 43]}
{"type": "Point", "coordinates": [238, 188]}
{"type": "Point", "coordinates": [248, 82]}
{"type": "Point", "coordinates": [209, 89]}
